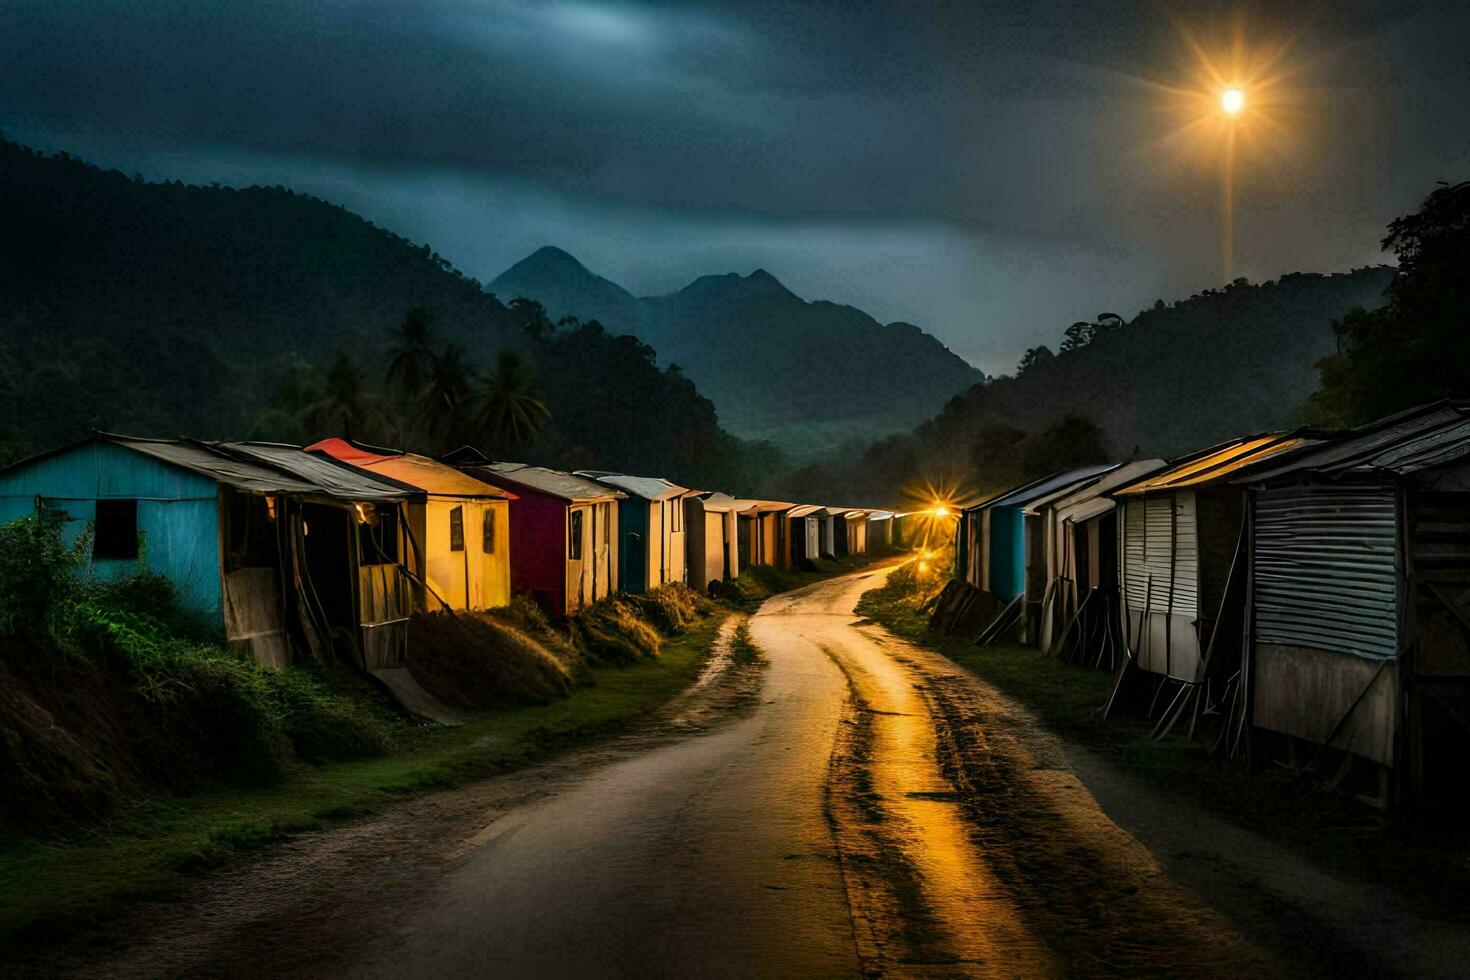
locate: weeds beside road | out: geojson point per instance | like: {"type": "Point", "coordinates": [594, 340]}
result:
{"type": "Point", "coordinates": [49, 888]}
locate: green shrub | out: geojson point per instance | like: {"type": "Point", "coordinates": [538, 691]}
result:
{"type": "Point", "coordinates": [36, 570]}
{"type": "Point", "coordinates": [157, 682]}
{"type": "Point", "coordinates": [613, 631]}
{"type": "Point", "coordinates": [479, 661]}
{"type": "Point", "coordinates": [672, 608]}
{"type": "Point", "coordinates": [529, 618]}
{"type": "Point", "coordinates": [257, 719]}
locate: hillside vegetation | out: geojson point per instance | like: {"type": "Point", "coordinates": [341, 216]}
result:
{"type": "Point", "coordinates": [110, 692]}
{"type": "Point", "coordinates": [1176, 377]}
{"type": "Point", "coordinates": [163, 308]}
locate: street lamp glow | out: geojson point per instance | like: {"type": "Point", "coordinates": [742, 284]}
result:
{"type": "Point", "coordinates": [941, 511]}
{"type": "Point", "coordinates": [1232, 100]}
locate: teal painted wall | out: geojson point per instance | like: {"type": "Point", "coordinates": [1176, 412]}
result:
{"type": "Point", "coordinates": [633, 553]}
{"type": "Point", "coordinates": [178, 517]}
{"type": "Point", "coordinates": [1007, 552]}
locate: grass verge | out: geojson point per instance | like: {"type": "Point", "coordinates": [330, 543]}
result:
{"type": "Point", "coordinates": [50, 889]}
{"type": "Point", "coordinates": [1427, 863]}
{"type": "Point", "coordinates": [757, 583]}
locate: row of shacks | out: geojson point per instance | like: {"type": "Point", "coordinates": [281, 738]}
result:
{"type": "Point", "coordinates": [328, 550]}
{"type": "Point", "coordinates": [1301, 598]}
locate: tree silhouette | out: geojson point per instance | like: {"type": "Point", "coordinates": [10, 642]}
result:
{"type": "Point", "coordinates": [512, 413]}
{"type": "Point", "coordinates": [411, 359]}
{"type": "Point", "coordinates": [446, 402]}
{"type": "Point", "coordinates": [532, 317]}
{"type": "Point", "coordinates": [1413, 350]}
{"type": "Point", "coordinates": [1033, 358]}
{"type": "Point", "coordinates": [343, 406]}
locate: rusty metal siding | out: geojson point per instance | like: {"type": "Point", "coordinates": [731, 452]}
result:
{"type": "Point", "coordinates": [1326, 568]}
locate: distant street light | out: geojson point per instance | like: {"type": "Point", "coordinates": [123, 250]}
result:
{"type": "Point", "coordinates": [1232, 101]}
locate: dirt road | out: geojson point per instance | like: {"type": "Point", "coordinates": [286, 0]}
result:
{"type": "Point", "coordinates": [853, 806]}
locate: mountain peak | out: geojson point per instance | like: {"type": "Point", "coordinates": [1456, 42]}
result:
{"type": "Point", "coordinates": [767, 282]}
{"type": "Point", "coordinates": [550, 259]}
{"type": "Point", "coordinates": [758, 283]}
{"type": "Point", "coordinates": [567, 287]}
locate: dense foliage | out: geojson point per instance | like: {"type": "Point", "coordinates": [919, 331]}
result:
{"type": "Point", "coordinates": [1174, 378]}
{"type": "Point", "coordinates": [161, 308]}
{"type": "Point", "coordinates": [1417, 347]}
{"type": "Point", "coordinates": [109, 690]}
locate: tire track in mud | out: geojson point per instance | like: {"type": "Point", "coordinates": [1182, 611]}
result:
{"type": "Point", "coordinates": [1098, 896]}
{"type": "Point", "coordinates": [891, 921]}
{"type": "Point", "coordinates": [924, 900]}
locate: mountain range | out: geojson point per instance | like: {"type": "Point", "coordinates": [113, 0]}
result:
{"type": "Point", "coordinates": [807, 375]}
{"type": "Point", "coordinates": [160, 308]}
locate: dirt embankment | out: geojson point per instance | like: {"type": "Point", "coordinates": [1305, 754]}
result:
{"type": "Point", "coordinates": [81, 736]}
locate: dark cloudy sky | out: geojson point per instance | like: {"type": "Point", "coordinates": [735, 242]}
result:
{"type": "Point", "coordinates": [991, 171]}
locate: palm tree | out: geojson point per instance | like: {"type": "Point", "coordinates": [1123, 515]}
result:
{"type": "Point", "coordinates": [446, 402]}
{"type": "Point", "coordinates": [342, 404]}
{"type": "Point", "coordinates": [512, 412]}
{"type": "Point", "coordinates": [412, 357]}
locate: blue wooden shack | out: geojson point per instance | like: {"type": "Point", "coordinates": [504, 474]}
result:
{"type": "Point", "coordinates": [270, 555]}
{"type": "Point", "coordinates": [992, 549]}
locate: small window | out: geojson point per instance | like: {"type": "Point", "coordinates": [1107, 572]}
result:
{"type": "Point", "coordinates": [456, 529]}
{"type": "Point", "coordinates": [575, 543]}
{"type": "Point", "coordinates": [115, 532]}
{"type": "Point", "coordinates": [488, 541]}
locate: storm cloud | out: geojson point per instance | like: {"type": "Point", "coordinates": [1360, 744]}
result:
{"type": "Point", "coordinates": [988, 172]}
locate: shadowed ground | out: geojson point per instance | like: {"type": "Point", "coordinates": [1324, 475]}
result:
{"type": "Point", "coordinates": [846, 804]}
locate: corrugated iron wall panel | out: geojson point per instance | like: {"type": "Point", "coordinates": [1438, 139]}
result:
{"type": "Point", "coordinates": [1326, 569]}
{"type": "Point", "coordinates": [1161, 554]}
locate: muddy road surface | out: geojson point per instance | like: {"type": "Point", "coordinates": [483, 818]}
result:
{"type": "Point", "coordinates": [849, 806]}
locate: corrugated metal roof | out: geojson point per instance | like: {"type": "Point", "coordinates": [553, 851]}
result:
{"type": "Point", "coordinates": [764, 506]}
{"type": "Point", "coordinates": [420, 472]}
{"type": "Point", "coordinates": [1066, 491]}
{"type": "Point", "coordinates": [566, 486]}
{"type": "Point", "coordinates": [198, 458]}
{"type": "Point", "coordinates": [722, 502]}
{"type": "Point", "coordinates": [807, 510]}
{"type": "Point", "coordinates": [647, 487]}
{"type": "Point", "coordinates": [330, 475]}
{"type": "Point", "coordinates": [1431, 435]}
{"type": "Point", "coordinates": [1087, 502]}
{"type": "Point", "coordinates": [1026, 493]}
{"type": "Point", "coordinates": [1088, 509]}
{"type": "Point", "coordinates": [1222, 463]}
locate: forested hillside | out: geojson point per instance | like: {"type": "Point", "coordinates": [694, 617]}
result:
{"type": "Point", "coordinates": [161, 308]}
{"type": "Point", "coordinates": [805, 374]}
{"type": "Point", "coordinates": [1176, 377]}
